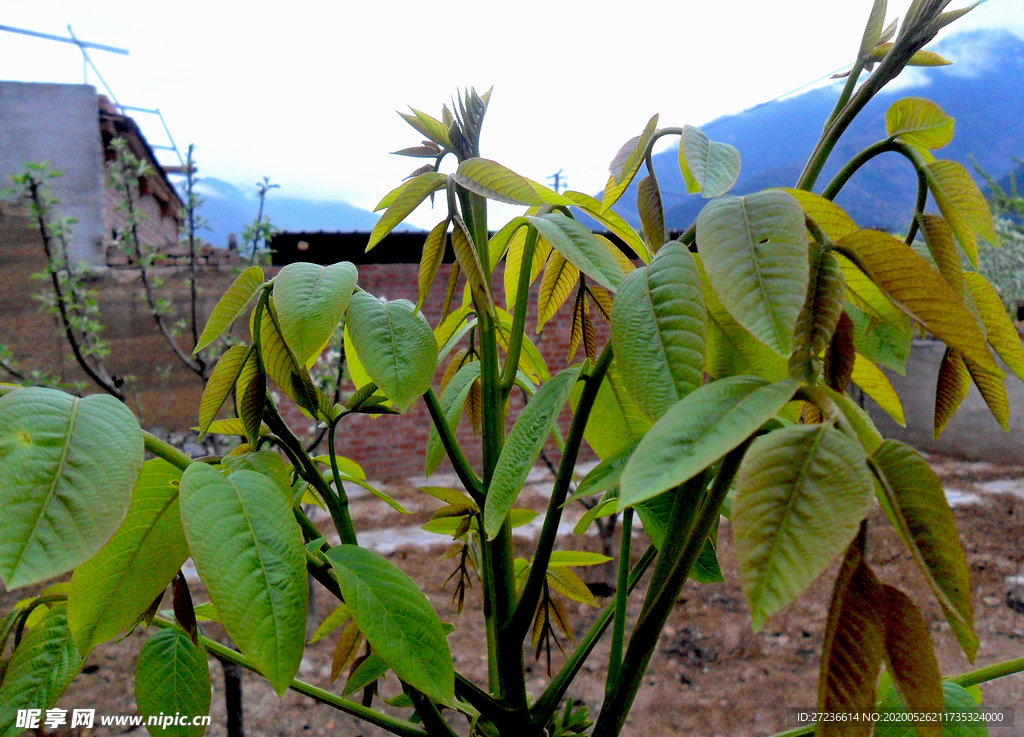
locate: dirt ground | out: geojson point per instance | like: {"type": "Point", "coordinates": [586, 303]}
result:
{"type": "Point", "coordinates": [711, 674]}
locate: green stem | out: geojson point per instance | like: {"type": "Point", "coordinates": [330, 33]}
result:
{"type": "Point", "coordinates": [307, 469]}
{"type": "Point", "coordinates": [875, 149]}
{"type": "Point", "coordinates": [165, 450]}
{"type": "Point", "coordinates": [463, 470]}
{"type": "Point", "coordinates": [621, 599]}
{"type": "Point", "coordinates": [430, 715]}
{"type": "Point", "coordinates": [887, 70]}
{"type": "Point", "coordinates": [847, 93]}
{"type": "Point", "coordinates": [490, 623]}
{"type": "Point", "coordinates": [657, 609]}
{"type": "Point", "coordinates": [922, 200]}
{"type": "Point", "coordinates": [552, 696]}
{"type": "Point", "coordinates": [481, 700]}
{"type": "Point", "coordinates": [394, 725]}
{"type": "Point", "coordinates": [515, 341]}
{"type": "Point", "coordinates": [989, 673]}
{"type": "Point", "coordinates": [342, 501]}
{"type": "Point", "coordinates": [549, 532]}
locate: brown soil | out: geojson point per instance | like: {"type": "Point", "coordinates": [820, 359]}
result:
{"type": "Point", "coordinates": [711, 674]}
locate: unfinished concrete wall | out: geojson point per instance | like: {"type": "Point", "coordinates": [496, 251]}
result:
{"type": "Point", "coordinates": [973, 434]}
{"type": "Point", "coordinates": [58, 123]}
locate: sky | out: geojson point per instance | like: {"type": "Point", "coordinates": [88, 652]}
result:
{"type": "Point", "coordinates": [306, 92]}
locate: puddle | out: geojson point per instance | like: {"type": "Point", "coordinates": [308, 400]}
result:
{"type": "Point", "coordinates": [1003, 486]}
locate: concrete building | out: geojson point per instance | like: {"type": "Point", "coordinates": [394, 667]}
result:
{"type": "Point", "coordinates": [70, 127]}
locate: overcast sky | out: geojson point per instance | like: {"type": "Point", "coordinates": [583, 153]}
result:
{"type": "Point", "coordinates": [306, 91]}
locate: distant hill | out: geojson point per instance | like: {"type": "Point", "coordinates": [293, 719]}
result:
{"type": "Point", "coordinates": [983, 90]}
{"type": "Point", "coordinates": [229, 210]}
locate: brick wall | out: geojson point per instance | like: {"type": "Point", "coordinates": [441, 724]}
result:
{"type": "Point", "coordinates": [158, 227]}
{"type": "Point", "coordinates": [166, 395]}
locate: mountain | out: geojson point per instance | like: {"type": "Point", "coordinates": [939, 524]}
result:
{"type": "Point", "coordinates": [983, 90]}
{"type": "Point", "coordinates": [228, 210]}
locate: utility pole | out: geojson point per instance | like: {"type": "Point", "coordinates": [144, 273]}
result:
{"type": "Point", "coordinates": [559, 181]}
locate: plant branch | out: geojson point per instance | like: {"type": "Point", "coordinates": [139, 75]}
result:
{"type": "Point", "coordinates": [392, 724]}
{"type": "Point", "coordinates": [621, 598]}
{"type": "Point", "coordinates": [463, 470]}
{"type": "Point", "coordinates": [863, 157]}
{"type": "Point", "coordinates": [658, 607]}
{"type": "Point", "coordinates": [517, 335]}
{"type": "Point", "coordinates": [163, 449]}
{"type": "Point", "coordinates": [97, 373]}
{"type": "Point", "coordinates": [549, 532]}
{"type": "Point", "coordinates": [307, 469]}
{"type": "Point", "coordinates": [552, 696]}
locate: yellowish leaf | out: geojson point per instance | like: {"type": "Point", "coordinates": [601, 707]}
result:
{"type": "Point", "coordinates": [430, 262]}
{"type": "Point", "coordinates": [963, 206]}
{"type": "Point", "coordinates": [494, 181]}
{"type": "Point", "coordinates": [611, 220]}
{"type": "Point", "coordinates": [1000, 331]}
{"type": "Point", "coordinates": [920, 123]}
{"type": "Point", "coordinates": [939, 239]}
{"type": "Point", "coordinates": [953, 384]}
{"type": "Point", "coordinates": [829, 216]}
{"type": "Point", "coordinates": [910, 280]}
{"type": "Point", "coordinates": [626, 163]}
{"type": "Point", "coordinates": [870, 378]}
{"type": "Point", "coordinates": [555, 286]}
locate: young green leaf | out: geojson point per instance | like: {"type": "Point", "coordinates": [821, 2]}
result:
{"type": "Point", "coordinates": [368, 671]}
{"type": "Point", "coordinates": [231, 305]}
{"type": "Point", "coordinates": [67, 470]}
{"type": "Point", "coordinates": [220, 384]}
{"type": "Point", "coordinates": [961, 711]}
{"type": "Point", "coordinates": [569, 585]}
{"type": "Point", "coordinates": [40, 670]}
{"type": "Point", "coordinates": [658, 330]}
{"type": "Point", "coordinates": [397, 620]}
{"type": "Point", "coordinates": [492, 180]}
{"type": "Point", "coordinates": [404, 202]}
{"type": "Point", "coordinates": [731, 349]}
{"type": "Point", "coordinates": [754, 251]}
{"type": "Point", "coordinates": [881, 343]}
{"type": "Point", "coordinates": [616, 420]}
{"type": "Point", "coordinates": [707, 166]}
{"type": "Point", "coordinates": [523, 446]}
{"type": "Point", "coordinates": [626, 163]}
{"type": "Point", "coordinates": [171, 677]}
{"type": "Point", "coordinates": [919, 123]}
{"type": "Point", "coordinates": [872, 30]}
{"type": "Point", "coordinates": [429, 126]}
{"type": "Point", "coordinates": [310, 302]}
{"type": "Point", "coordinates": [697, 431]}
{"type": "Point", "coordinates": [563, 558]}
{"type": "Point", "coordinates": [819, 317]}
{"type": "Point", "coordinates": [611, 220]}
{"type": "Point", "coordinates": [912, 282]}
{"type": "Point", "coordinates": [925, 523]}
{"type": "Point", "coordinates": [801, 494]}
{"type": "Point", "coordinates": [854, 647]}
{"type": "Point", "coordinates": [111, 589]}
{"type": "Point", "coordinates": [283, 366]}
{"type": "Point", "coordinates": [248, 550]}
{"type": "Point", "coordinates": [395, 344]}
{"type": "Point", "coordinates": [580, 247]}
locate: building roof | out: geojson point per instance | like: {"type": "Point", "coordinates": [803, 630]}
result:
{"type": "Point", "coordinates": [114, 124]}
